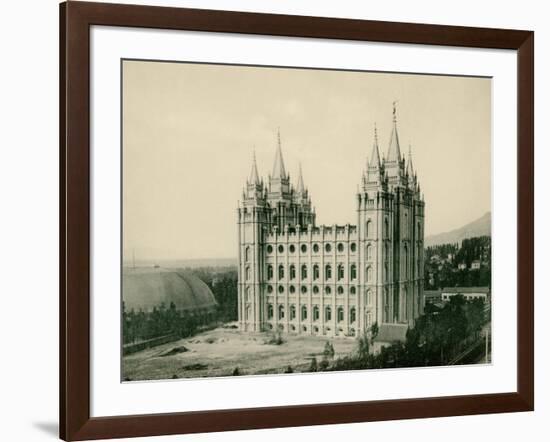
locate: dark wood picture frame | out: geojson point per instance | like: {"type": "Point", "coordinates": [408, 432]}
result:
{"type": "Point", "coordinates": [75, 21]}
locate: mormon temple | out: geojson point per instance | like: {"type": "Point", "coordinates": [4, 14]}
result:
{"type": "Point", "coordinates": [299, 277]}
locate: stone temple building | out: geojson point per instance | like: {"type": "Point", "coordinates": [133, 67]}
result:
{"type": "Point", "coordinates": [299, 277]}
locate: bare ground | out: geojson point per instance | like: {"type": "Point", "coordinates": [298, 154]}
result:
{"type": "Point", "coordinates": [218, 352]}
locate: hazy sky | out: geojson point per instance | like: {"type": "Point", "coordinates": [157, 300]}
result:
{"type": "Point", "coordinates": [190, 130]}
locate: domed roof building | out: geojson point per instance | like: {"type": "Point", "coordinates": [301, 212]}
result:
{"type": "Point", "coordinates": [146, 288]}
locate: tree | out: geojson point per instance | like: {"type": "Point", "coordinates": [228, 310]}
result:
{"type": "Point", "coordinates": [328, 352]}
{"type": "Point", "coordinates": [313, 366]}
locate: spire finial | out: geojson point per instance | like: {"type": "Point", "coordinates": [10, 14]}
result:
{"type": "Point", "coordinates": [375, 133]}
{"type": "Point", "coordinates": [395, 111]}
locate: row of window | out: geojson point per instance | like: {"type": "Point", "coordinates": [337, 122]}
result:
{"type": "Point", "coordinates": [368, 249]}
{"type": "Point", "coordinates": [316, 272]}
{"type": "Point", "coordinates": [315, 289]}
{"type": "Point", "coordinates": [303, 248]}
{"type": "Point", "coordinates": [316, 313]}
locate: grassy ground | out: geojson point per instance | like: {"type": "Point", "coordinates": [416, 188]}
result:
{"type": "Point", "coordinates": [218, 352]}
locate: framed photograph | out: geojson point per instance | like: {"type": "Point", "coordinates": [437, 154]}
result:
{"type": "Point", "coordinates": [274, 220]}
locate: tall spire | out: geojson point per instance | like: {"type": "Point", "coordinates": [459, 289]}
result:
{"type": "Point", "coordinates": [410, 169]}
{"type": "Point", "coordinates": [300, 188]}
{"type": "Point", "coordinates": [279, 165]}
{"type": "Point", "coordinates": [375, 155]}
{"type": "Point", "coordinates": [254, 178]}
{"type": "Point", "coordinates": [394, 151]}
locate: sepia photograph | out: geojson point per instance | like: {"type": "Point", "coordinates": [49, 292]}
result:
{"type": "Point", "coordinates": [284, 220]}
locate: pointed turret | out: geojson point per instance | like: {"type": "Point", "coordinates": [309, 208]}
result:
{"type": "Point", "coordinates": [254, 177]}
{"type": "Point", "coordinates": [410, 169]}
{"type": "Point", "coordinates": [394, 151]}
{"type": "Point", "coordinates": [279, 165]}
{"type": "Point", "coordinates": [300, 188]}
{"type": "Point", "coordinates": [375, 155]}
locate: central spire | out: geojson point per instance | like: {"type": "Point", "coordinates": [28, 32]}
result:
{"type": "Point", "coordinates": [394, 151]}
{"type": "Point", "coordinates": [279, 165]}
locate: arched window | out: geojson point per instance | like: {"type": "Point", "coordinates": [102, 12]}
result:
{"type": "Point", "coordinates": [281, 312]}
{"type": "Point", "coordinates": [316, 313]}
{"type": "Point", "coordinates": [247, 254]}
{"type": "Point", "coordinates": [352, 290]}
{"type": "Point", "coordinates": [303, 289]}
{"type": "Point", "coordinates": [368, 229]}
{"type": "Point", "coordinates": [340, 247]}
{"type": "Point", "coordinates": [247, 313]}
{"type": "Point", "coordinates": [419, 232]}
{"type": "Point", "coordinates": [269, 249]}
{"type": "Point", "coordinates": [368, 297]}
{"type": "Point", "coordinates": [316, 248]}
{"type": "Point", "coordinates": [281, 271]}
{"type": "Point", "coordinates": [340, 272]}
{"type": "Point", "coordinates": [386, 228]}
{"type": "Point", "coordinates": [386, 252]}
{"type": "Point", "coordinates": [269, 311]}
{"type": "Point", "coordinates": [353, 247]}
{"type": "Point", "coordinates": [340, 316]}
{"type": "Point", "coordinates": [327, 290]}
{"type": "Point", "coordinates": [292, 248]}
{"type": "Point", "coordinates": [292, 289]}
{"type": "Point", "coordinates": [315, 272]}
{"type": "Point", "coordinates": [292, 312]}
{"type": "Point", "coordinates": [304, 312]}
{"type": "Point", "coordinates": [406, 227]}
{"type": "Point", "coordinates": [247, 294]}
{"type": "Point", "coordinates": [292, 272]}
{"type": "Point", "coordinates": [369, 252]}
{"type": "Point", "coordinates": [353, 272]}
{"type": "Point", "coordinates": [269, 271]}
{"type": "Point", "coordinates": [328, 313]}
{"type": "Point", "coordinates": [248, 273]}
{"type": "Point", "coordinates": [369, 274]}
{"type": "Point", "coordinates": [269, 289]}
{"type": "Point", "coordinates": [304, 272]}
{"type": "Point", "coordinates": [315, 289]}
{"type": "Point", "coordinates": [281, 289]}
{"type": "Point", "coordinates": [328, 247]}
{"type": "Point", "coordinates": [281, 249]}
{"type": "Point", "coordinates": [386, 272]}
{"type": "Point", "coordinates": [328, 272]}
{"type": "Point", "coordinates": [352, 315]}
{"type": "Point", "coordinates": [340, 290]}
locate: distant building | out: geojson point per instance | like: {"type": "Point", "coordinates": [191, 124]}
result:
{"type": "Point", "coordinates": [468, 292]}
{"type": "Point", "coordinates": [299, 277]}
{"type": "Point", "coordinates": [149, 288]}
{"type": "Point", "coordinates": [476, 264]}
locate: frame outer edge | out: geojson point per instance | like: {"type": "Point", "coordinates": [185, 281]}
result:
{"type": "Point", "coordinates": [525, 218]}
{"type": "Point", "coordinates": [62, 226]}
{"type": "Point", "coordinates": [74, 407]}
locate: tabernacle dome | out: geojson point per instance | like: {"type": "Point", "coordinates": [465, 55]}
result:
{"type": "Point", "coordinates": [146, 288]}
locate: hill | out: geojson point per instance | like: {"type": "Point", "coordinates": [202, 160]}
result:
{"type": "Point", "coordinates": [479, 227]}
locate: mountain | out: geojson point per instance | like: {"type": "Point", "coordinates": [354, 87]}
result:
{"type": "Point", "coordinates": [479, 227]}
